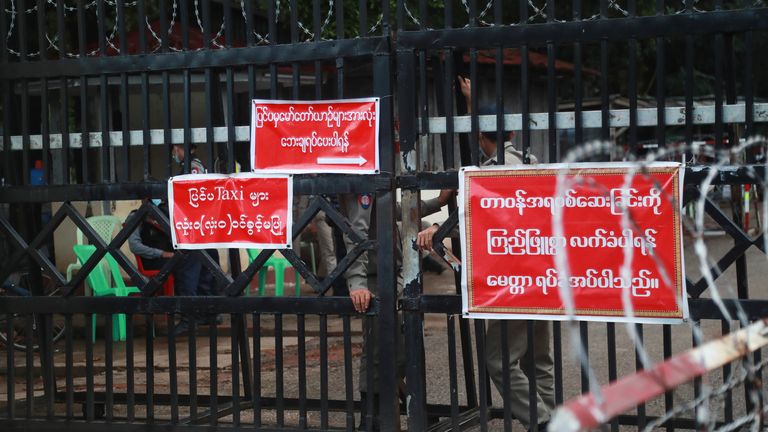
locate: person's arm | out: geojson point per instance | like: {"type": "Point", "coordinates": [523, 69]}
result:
{"type": "Point", "coordinates": [142, 250]}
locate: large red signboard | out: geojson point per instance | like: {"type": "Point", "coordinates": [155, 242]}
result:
{"type": "Point", "coordinates": [519, 265]}
{"type": "Point", "coordinates": [235, 211]}
{"type": "Point", "coordinates": [339, 136]}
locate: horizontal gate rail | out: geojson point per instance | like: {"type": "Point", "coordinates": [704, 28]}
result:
{"type": "Point", "coordinates": [183, 305]}
{"type": "Point", "coordinates": [248, 56]}
{"type": "Point", "coordinates": [674, 116]}
{"type": "Point", "coordinates": [680, 25]}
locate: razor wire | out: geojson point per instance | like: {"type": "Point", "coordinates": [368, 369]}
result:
{"type": "Point", "coordinates": [590, 150]}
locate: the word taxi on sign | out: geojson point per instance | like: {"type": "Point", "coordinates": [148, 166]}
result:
{"type": "Point", "coordinates": [521, 264]}
{"type": "Point", "coordinates": [232, 211]}
{"type": "Point", "coordinates": [340, 136]}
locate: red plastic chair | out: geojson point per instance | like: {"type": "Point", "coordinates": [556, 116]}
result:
{"type": "Point", "coordinates": [167, 286]}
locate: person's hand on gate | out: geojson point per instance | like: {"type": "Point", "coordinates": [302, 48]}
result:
{"type": "Point", "coordinates": [466, 87]}
{"type": "Point", "coordinates": [361, 299]}
{"type": "Point", "coordinates": [424, 238]}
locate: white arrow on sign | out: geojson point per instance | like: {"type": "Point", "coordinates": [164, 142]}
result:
{"type": "Point", "coordinates": [357, 160]}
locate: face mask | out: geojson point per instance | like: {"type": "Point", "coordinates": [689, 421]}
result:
{"type": "Point", "coordinates": [176, 159]}
{"type": "Point", "coordinates": [156, 201]}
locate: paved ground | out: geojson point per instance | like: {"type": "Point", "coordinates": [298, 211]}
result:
{"type": "Point", "coordinates": [437, 356]}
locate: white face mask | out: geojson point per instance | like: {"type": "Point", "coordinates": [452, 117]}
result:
{"type": "Point", "coordinates": [176, 159]}
{"type": "Point", "coordinates": [156, 201]}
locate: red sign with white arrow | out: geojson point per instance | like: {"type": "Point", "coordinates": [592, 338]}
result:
{"type": "Point", "coordinates": [340, 136]}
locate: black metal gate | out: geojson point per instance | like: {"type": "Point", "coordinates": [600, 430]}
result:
{"type": "Point", "coordinates": [99, 91]}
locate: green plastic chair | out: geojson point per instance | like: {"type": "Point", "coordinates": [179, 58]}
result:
{"type": "Point", "coordinates": [104, 226]}
{"type": "Point", "coordinates": [100, 287]}
{"type": "Point", "coordinates": [278, 264]}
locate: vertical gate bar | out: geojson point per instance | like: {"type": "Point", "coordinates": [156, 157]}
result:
{"type": "Point", "coordinates": [605, 96]}
{"type": "Point", "coordinates": [109, 365]}
{"type": "Point", "coordinates": [558, 356]}
{"type": "Point", "coordinates": [316, 29]}
{"type": "Point", "coordinates": [412, 283]}
{"type": "Point", "coordinates": [340, 61]}
{"type": "Point", "coordinates": [385, 17]}
{"type": "Point", "coordinates": [64, 112]}
{"type": "Point", "coordinates": [499, 69]}
{"type": "Point", "coordinates": [68, 366]}
{"type": "Point", "coordinates": [452, 372]}
{"type": "Point", "coordinates": [279, 398]}
{"type": "Point", "coordinates": [25, 158]}
{"type": "Point", "coordinates": [44, 124]}
{"type": "Point", "coordinates": [524, 95]}
{"type": "Point", "coordinates": [578, 86]}
{"type": "Point", "coordinates": [129, 368]}
{"type": "Point", "coordinates": [448, 91]}
{"type": "Point", "coordinates": [29, 340]}
{"type": "Point", "coordinates": [145, 107]}
{"type": "Point", "coordinates": [6, 88]}
{"type": "Point", "coordinates": [725, 328]}
{"type": "Point", "coordinates": [235, 359]}
{"type": "Point", "coordinates": [584, 341]}
{"type": "Point", "coordinates": [85, 136]}
{"type": "Point", "coordinates": [669, 397]}
{"type": "Point", "coordinates": [472, 109]}
{"type": "Point", "coordinates": [324, 372]}
{"type": "Point", "coordinates": [689, 47]}
{"type": "Point", "coordinates": [184, 9]}
{"type": "Point", "coordinates": [362, 10]}
{"type": "Point", "coordinates": [302, 352]}
{"type": "Point", "coordinates": [192, 350]}
{"type": "Point", "coordinates": [481, 373]}
{"type": "Point", "coordinates": [165, 91]}
{"type": "Point", "coordinates": [349, 390]}
{"type": "Point", "coordinates": [48, 366]}
{"type": "Point", "coordinates": [209, 142]}
{"type": "Point", "coordinates": [718, 83]}
{"type": "Point", "coordinates": [296, 73]}
{"type": "Point", "coordinates": [389, 329]}
{"type": "Point", "coordinates": [749, 97]}
{"type": "Point", "coordinates": [124, 94]}
{"type": "Point", "coordinates": [11, 361]}
{"type": "Point", "coordinates": [149, 359]}
{"type": "Point", "coordinates": [641, 419]}
{"type": "Point", "coordinates": [172, 371]}
{"type": "Point", "coordinates": [256, 370]}
{"type": "Point", "coordinates": [186, 168]}
{"type": "Point", "coordinates": [250, 40]}
{"type": "Point", "coordinates": [554, 147]}
{"type": "Point", "coordinates": [632, 82]}
{"type": "Point", "coordinates": [273, 40]}
{"type": "Point", "coordinates": [661, 102]}
{"type": "Point", "coordinates": [612, 372]}
{"type": "Point", "coordinates": [213, 347]}
{"type": "Point", "coordinates": [231, 162]}
{"type": "Point", "coordinates": [103, 95]}
{"type": "Point", "coordinates": [505, 394]}
{"type": "Point", "coordinates": [697, 382]}
{"type": "Point", "coordinates": [90, 334]}
{"type": "Point", "coordinates": [167, 134]}
{"type": "Point", "coordinates": [241, 327]}
{"type": "Point", "coordinates": [208, 35]}
{"type": "Point", "coordinates": [22, 36]}
{"type": "Point", "coordinates": [742, 280]}
{"type": "Point", "coordinates": [368, 323]}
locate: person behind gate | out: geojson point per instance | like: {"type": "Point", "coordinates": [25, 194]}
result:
{"type": "Point", "coordinates": [517, 330]}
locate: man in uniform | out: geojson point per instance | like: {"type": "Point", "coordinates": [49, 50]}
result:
{"type": "Point", "coordinates": [517, 330]}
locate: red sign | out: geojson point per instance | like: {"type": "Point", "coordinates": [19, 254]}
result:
{"type": "Point", "coordinates": [520, 265]}
{"type": "Point", "coordinates": [339, 136]}
{"type": "Point", "coordinates": [237, 211]}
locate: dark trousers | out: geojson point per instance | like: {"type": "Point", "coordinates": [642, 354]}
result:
{"type": "Point", "coordinates": [193, 278]}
